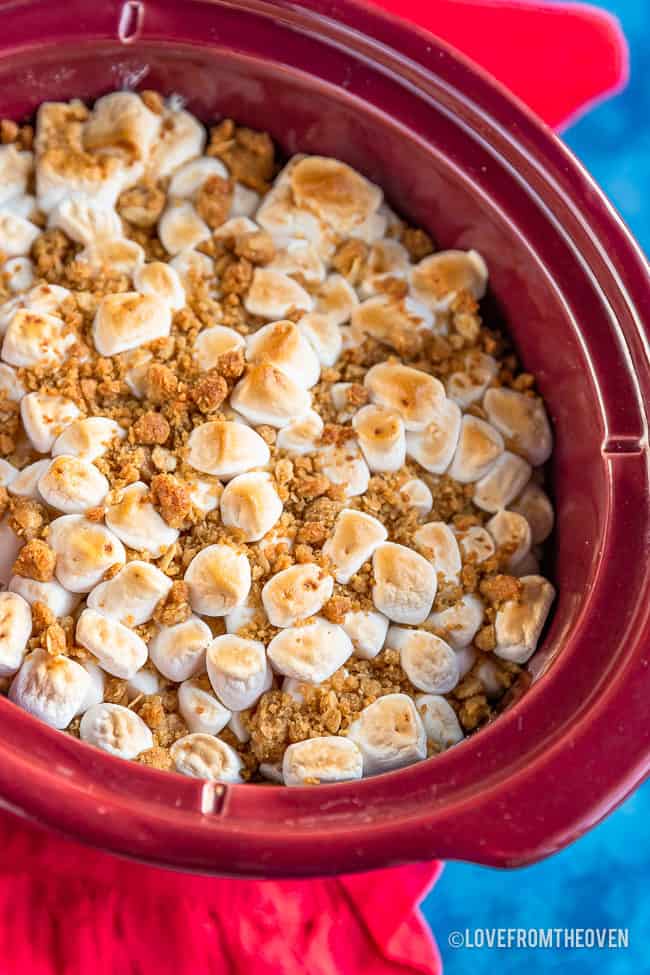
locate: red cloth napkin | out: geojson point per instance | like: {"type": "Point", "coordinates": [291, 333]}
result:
{"type": "Point", "coordinates": [66, 910]}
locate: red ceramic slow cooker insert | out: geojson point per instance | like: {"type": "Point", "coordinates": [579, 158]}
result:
{"type": "Point", "coordinates": [457, 155]}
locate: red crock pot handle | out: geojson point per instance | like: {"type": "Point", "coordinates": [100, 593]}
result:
{"type": "Point", "coordinates": [559, 58]}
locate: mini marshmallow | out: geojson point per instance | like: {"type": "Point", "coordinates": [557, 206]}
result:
{"type": "Point", "coordinates": [219, 580]}
{"type": "Point", "coordinates": [95, 692]}
{"type": "Point", "coordinates": [536, 508]}
{"type": "Point", "coordinates": [340, 401]}
{"type": "Point", "coordinates": [16, 235]}
{"type": "Point", "coordinates": [135, 377]}
{"type": "Point", "coordinates": [251, 504]}
{"type": "Point", "coordinates": [85, 220]}
{"type": "Point", "coordinates": [15, 170]}
{"type": "Point", "coordinates": [142, 684]}
{"type": "Point", "coordinates": [15, 631]}
{"type": "Point", "coordinates": [88, 439]}
{"type": "Point", "coordinates": [323, 335]}
{"type": "Point", "coordinates": [43, 298]}
{"type": "Point", "coordinates": [224, 449]}
{"type": "Point", "coordinates": [10, 546]}
{"type": "Point", "coordinates": [336, 300]}
{"type": "Point", "coordinates": [479, 446]}
{"type": "Point", "coordinates": [438, 544]}
{"type": "Point", "coordinates": [204, 494]}
{"type": "Point", "coordinates": [281, 344]}
{"type": "Point", "coordinates": [238, 728]}
{"type": "Point", "coordinates": [344, 465]}
{"type": "Point", "coordinates": [428, 662]}
{"type": "Point", "coordinates": [405, 584]}
{"type": "Point", "coordinates": [23, 206]}
{"type": "Point", "coordinates": [118, 649]}
{"type": "Point", "coordinates": [523, 420]}
{"type": "Point", "coordinates": [132, 594]}
{"type": "Point", "coordinates": [393, 321]}
{"type": "Point", "coordinates": [58, 600]}
{"type": "Point", "coordinates": [136, 522]}
{"type": "Point", "coordinates": [121, 122]}
{"type": "Point", "coordinates": [466, 660]}
{"type": "Point", "coordinates": [327, 759]}
{"type": "Point", "coordinates": [116, 730]}
{"type": "Point", "coordinates": [300, 259]}
{"type": "Point", "coordinates": [519, 622]}
{"type": "Point", "coordinates": [367, 630]}
{"type": "Point", "coordinates": [267, 395]}
{"type": "Point", "coordinates": [434, 447]}
{"type": "Point", "coordinates": [162, 280]}
{"type": "Point", "coordinates": [381, 436]}
{"type": "Point", "coordinates": [511, 531]}
{"type": "Point", "coordinates": [418, 495]}
{"type": "Point", "coordinates": [52, 688]}
{"type": "Point", "coordinates": [502, 483]}
{"type": "Point", "coordinates": [214, 342]}
{"type": "Point", "coordinates": [44, 417]}
{"type": "Point", "coordinates": [189, 178]}
{"type": "Point", "coordinates": [294, 688]}
{"type": "Point", "coordinates": [273, 294]}
{"type": "Point", "coordinates": [488, 674]}
{"type": "Point", "coordinates": [10, 384]}
{"type": "Point", "coordinates": [335, 192]}
{"type": "Point", "coordinates": [238, 670]}
{"type": "Point", "coordinates": [387, 260]}
{"type": "Point", "coordinates": [468, 386]}
{"type": "Point", "coordinates": [206, 757]}
{"type": "Point", "coordinates": [475, 544]}
{"type": "Point", "coordinates": [296, 593]}
{"type": "Point", "coordinates": [355, 537]}
{"type": "Point", "coordinates": [438, 279]}
{"type": "Point", "coordinates": [390, 734]}
{"type": "Point", "coordinates": [190, 265]}
{"type": "Point", "coordinates": [528, 566]}
{"type": "Point", "coordinates": [301, 436]}
{"type": "Point", "coordinates": [233, 228]}
{"type": "Point", "coordinates": [84, 551]}
{"type": "Point", "coordinates": [122, 256]}
{"type": "Point", "coordinates": [36, 338]}
{"type": "Point", "coordinates": [181, 228]}
{"type": "Point", "coordinates": [180, 137]}
{"type": "Point", "coordinates": [439, 719]}
{"type": "Point", "coordinates": [179, 651]}
{"type": "Point", "coordinates": [19, 273]}
{"type": "Point", "coordinates": [8, 473]}
{"type": "Point", "coordinates": [311, 653]}
{"type": "Point", "coordinates": [414, 394]}
{"type": "Point", "coordinates": [125, 321]}
{"type": "Point", "coordinates": [200, 710]}
{"type": "Point", "coordinates": [241, 617]}
{"type": "Point", "coordinates": [25, 484]}
{"type": "Point", "coordinates": [72, 485]}
{"type": "Point", "coordinates": [458, 624]}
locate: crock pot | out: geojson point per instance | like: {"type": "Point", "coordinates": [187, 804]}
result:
{"type": "Point", "coordinates": [458, 155]}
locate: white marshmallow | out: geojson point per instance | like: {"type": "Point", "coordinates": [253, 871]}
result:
{"type": "Point", "coordinates": [300, 259]}
{"type": "Point", "coordinates": [468, 386]}
{"type": "Point", "coordinates": [405, 584]}
{"type": "Point", "coordinates": [272, 295]}
{"type": "Point", "coordinates": [475, 544]}
{"type": "Point", "coordinates": [281, 344]}
{"type": "Point", "coordinates": [121, 256]}
{"type": "Point", "coordinates": [479, 447]}
{"type": "Point", "coordinates": [458, 624]}
{"type": "Point", "coordinates": [487, 672]}
{"type": "Point", "coordinates": [135, 377]}
{"type": "Point", "coordinates": [327, 759]}
{"type": "Point", "coordinates": [19, 273]}
{"type": "Point", "coordinates": [25, 484]}
{"type": "Point", "coordinates": [191, 265]}
{"type": "Point", "coordinates": [10, 384]}
{"type": "Point", "coordinates": [181, 228]}
{"type": "Point", "coordinates": [238, 728]}
{"type": "Point", "coordinates": [437, 279]}
{"type": "Point", "coordinates": [136, 522]}
{"type": "Point", "coordinates": [336, 193]}
{"type": "Point", "coordinates": [381, 436]}
{"type": "Point", "coordinates": [267, 395]}
{"type": "Point", "coordinates": [132, 595]}
{"type": "Point", "coordinates": [16, 235]}
{"type": "Point", "coordinates": [508, 528]}
{"type": "Point", "coordinates": [536, 508]}
{"type": "Point", "coordinates": [311, 653]}
{"type": "Point", "coordinates": [390, 734]}
{"type": "Point", "coordinates": [95, 692]}
{"type": "Point", "coordinates": [523, 420]}
{"type": "Point", "coordinates": [44, 417]}
{"type": "Point", "coordinates": [143, 683]}
{"type": "Point", "coordinates": [414, 394]}
{"type": "Point", "coordinates": [200, 710]}
{"type": "Point", "coordinates": [10, 546]}
{"type": "Point", "coordinates": [204, 494]}
{"type": "Point", "coordinates": [8, 473]}
{"type": "Point", "coordinates": [502, 483]}
{"type": "Point", "coordinates": [58, 600]}
{"type": "Point", "coordinates": [519, 622]}
{"type": "Point", "coordinates": [339, 396]}
{"type": "Point", "coordinates": [180, 137]}
{"type": "Point", "coordinates": [15, 170]}
{"type": "Point", "coordinates": [238, 670]}
{"type": "Point", "coordinates": [434, 447]}
{"type": "Point", "coordinates": [344, 465]}
{"type": "Point", "coordinates": [251, 504]}
{"type": "Point", "coordinates": [418, 495]}
{"type": "Point", "coordinates": [301, 436]}
{"type": "Point", "coordinates": [296, 593]}
{"type": "Point", "coordinates": [294, 688]}
{"type": "Point", "coordinates": [179, 651]}
{"type": "Point", "coordinates": [219, 580]}
{"type": "Point", "coordinates": [189, 178]}
{"type": "Point", "coordinates": [214, 342]}
{"type": "Point", "coordinates": [439, 720]}
{"type": "Point", "coordinates": [88, 439]}
{"type": "Point", "coordinates": [235, 227]}
{"type": "Point", "coordinates": [51, 688]}
{"type": "Point", "coordinates": [438, 544]}
{"type": "Point", "coordinates": [355, 537]}
{"type": "Point", "coordinates": [367, 630]}
{"type": "Point", "coordinates": [22, 205]}
{"type": "Point", "coordinates": [393, 321]}
{"type": "Point", "coordinates": [162, 280]}
{"type": "Point", "coordinates": [15, 631]}
{"type": "Point", "coordinates": [72, 485]}
{"type": "Point", "coordinates": [241, 617]}
{"type": "Point", "coordinates": [84, 551]}
{"type": "Point", "coordinates": [206, 757]}
{"type": "Point", "coordinates": [428, 662]}
{"type": "Point", "coordinates": [466, 660]}
{"type": "Point", "coordinates": [118, 649]}
{"type": "Point", "coordinates": [125, 321]}
{"type": "Point", "coordinates": [244, 201]}
{"type": "Point", "coordinates": [224, 449]}
{"type": "Point", "coordinates": [336, 300]}
{"type": "Point", "coordinates": [121, 122]}
{"type": "Point", "coordinates": [323, 335]}
{"type": "Point", "coordinates": [116, 730]}
{"type": "Point", "coordinates": [43, 298]}
{"type": "Point", "coordinates": [34, 338]}
{"type": "Point", "coordinates": [85, 220]}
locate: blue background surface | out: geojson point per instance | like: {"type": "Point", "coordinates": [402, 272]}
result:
{"type": "Point", "coordinates": [603, 879]}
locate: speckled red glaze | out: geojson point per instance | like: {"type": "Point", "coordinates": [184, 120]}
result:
{"type": "Point", "coordinates": [466, 160]}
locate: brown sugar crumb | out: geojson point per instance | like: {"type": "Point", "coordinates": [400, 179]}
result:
{"type": "Point", "coordinates": [214, 200]}
{"type": "Point", "coordinates": [210, 391]}
{"type": "Point", "coordinates": [312, 486]}
{"type": "Point", "coordinates": [486, 639]}
{"type": "Point", "coordinates": [4, 500]}
{"type": "Point", "coordinates": [50, 252]}
{"type": "Point", "coordinates": [249, 155]}
{"type": "Point", "coordinates": [473, 712]}
{"type": "Point", "coordinates": [152, 712]}
{"type": "Point", "coordinates": [237, 277]}
{"type": "Point", "coordinates": [27, 517]}
{"type": "Point", "coordinates": [141, 205]}
{"type": "Point", "coordinates": [350, 260]}
{"type": "Point", "coordinates": [313, 533]}
{"type": "Point", "coordinates": [156, 757]}
{"type": "Point", "coordinates": [116, 691]}
{"type": "Point", "coordinates": [175, 606]}
{"type": "Point", "coordinates": [151, 428]}
{"type": "Point", "coordinates": [417, 243]}
{"type": "Point", "coordinates": [153, 100]}
{"type": "Point", "coordinates": [8, 131]}
{"type": "Point", "coordinates": [36, 560]}
{"type": "Point", "coordinates": [160, 383]}
{"type": "Point", "coordinates": [172, 497]}
{"type": "Point", "coordinates": [256, 247]}
{"type": "Point", "coordinates": [336, 608]}
{"type": "Point", "coordinates": [54, 640]}
{"type": "Point", "coordinates": [500, 588]}
{"type": "Point", "coordinates": [42, 617]}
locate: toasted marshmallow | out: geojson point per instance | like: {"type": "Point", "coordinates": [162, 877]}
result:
{"type": "Point", "coordinates": [219, 579]}
{"type": "Point", "coordinates": [439, 720]}
{"type": "Point", "coordinates": [200, 710]}
{"type": "Point", "coordinates": [162, 280]}
{"type": "Point", "coordinates": [125, 321]}
{"type": "Point", "coordinates": [132, 594]}
{"type": "Point", "coordinates": [23, 205]}
{"type": "Point", "coordinates": [25, 484]}
{"type": "Point", "coordinates": [344, 465]}
{"type": "Point", "coordinates": [244, 201]}
{"type": "Point", "coordinates": [15, 631]}
{"type": "Point", "coordinates": [234, 228]}
{"type": "Point", "coordinates": [96, 685]}
{"type": "Point", "coordinates": [189, 178]}
{"type": "Point", "coordinates": [85, 220]}
{"type": "Point", "coordinates": [224, 449]}
{"type": "Point", "coordinates": [334, 192]}
{"type": "Point", "coordinates": [120, 255]}
{"type": "Point", "coordinates": [327, 759]}
{"type": "Point", "coordinates": [356, 536]}
{"type": "Point", "coordinates": [87, 439]}
{"type": "Point", "coordinates": [418, 495]}
{"type": "Point", "coordinates": [390, 734]}
{"type": "Point", "coordinates": [43, 298]}
{"type": "Point", "coordinates": [523, 420]}
{"type": "Point", "coordinates": [206, 757]}
{"type": "Point", "coordinates": [34, 338]}
{"type": "Point", "coordinates": [214, 342]}
{"type": "Point", "coordinates": [135, 377]}
{"type": "Point", "coordinates": [179, 651]}
{"type": "Point", "coordinates": [414, 394]}
{"type": "Point", "coordinates": [428, 662]}
{"type": "Point", "coordinates": [519, 622]}
{"type": "Point", "coordinates": [51, 688]}
{"type": "Point", "coordinates": [458, 624]}
{"type": "Point", "coordinates": [299, 259]}
{"type": "Point", "coordinates": [434, 447]}
{"type": "Point", "coordinates": [251, 504]}
{"type": "Point", "coordinates": [311, 653]}
{"type": "Point", "coordinates": [58, 600]}
{"type": "Point", "coordinates": [502, 483]}
{"type": "Point", "coordinates": [191, 265]}
{"type": "Point", "coordinates": [511, 530]}
{"type": "Point", "coordinates": [479, 446]}
{"type": "Point", "coordinates": [528, 566]}
{"type": "Point", "coordinates": [180, 137]}
{"type": "Point", "coordinates": [10, 384]}
{"type": "Point", "coordinates": [204, 494]}
{"type": "Point", "coordinates": [323, 335]}
{"type": "Point", "coordinates": [272, 295]}
{"type": "Point", "coordinates": [393, 321]}
{"type": "Point", "coordinates": [118, 649]}
{"type": "Point", "coordinates": [381, 436]}
{"type": "Point", "coordinates": [121, 122]}
{"type": "Point", "coordinates": [437, 279]}
{"type": "Point", "coordinates": [301, 436]}
{"type": "Point", "coordinates": [181, 228]}
{"type": "Point", "coordinates": [281, 344]}
{"type": "Point", "coordinates": [84, 550]}
{"type": "Point", "coordinates": [19, 273]}
{"type": "Point", "coordinates": [267, 395]}
{"type": "Point", "coordinates": [340, 402]}
{"type": "Point", "coordinates": [44, 417]}
{"type": "Point", "coordinates": [405, 584]}
{"type": "Point", "coordinates": [296, 593]}
{"type": "Point", "coordinates": [536, 508]}
{"type": "Point", "coordinates": [475, 544]}
{"type": "Point", "coordinates": [336, 299]}
{"type": "Point", "coordinates": [387, 260]}
{"type": "Point", "coordinates": [367, 630]}
{"type": "Point", "coordinates": [438, 544]}
{"type": "Point", "coordinates": [72, 485]}
{"type": "Point", "coordinates": [10, 546]}
{"type": "Point", "coordinates": [15, 170]}
{"type": "Point", "coordinates": [136, 522]}
{"type": "Point", "coordinates": [116, 730]}
{"type": "Point", "coordinates": [238, 670]}
{"type": "Point", "coordinates": [16, 235]}
{"type": "Point", "coordinates": [468, 386]}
